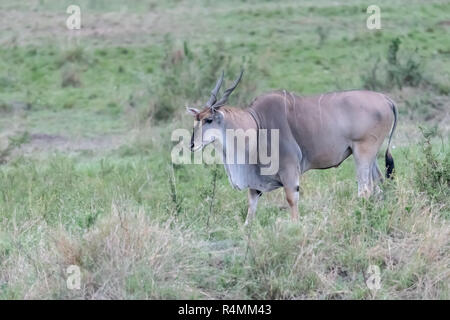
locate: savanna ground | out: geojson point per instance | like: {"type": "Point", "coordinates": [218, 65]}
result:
{"type": "Point", "coordinates": [86, 177]}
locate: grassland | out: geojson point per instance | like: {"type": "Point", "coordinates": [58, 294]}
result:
{"type": "Point", "coordinates": [86, 177]}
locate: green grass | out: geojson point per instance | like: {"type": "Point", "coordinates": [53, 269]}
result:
{"type": "Point", "coordinates": [140, 228]}
{"type": "Point", "coordinates": [337, 232]}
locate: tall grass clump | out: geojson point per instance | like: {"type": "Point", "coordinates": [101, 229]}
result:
{"type": "Point", "coordinates": [176, 200]}
{"type": "Point", "coordinates": [125, 254]}
{"type": "Point", "coordinates": [209, 192]}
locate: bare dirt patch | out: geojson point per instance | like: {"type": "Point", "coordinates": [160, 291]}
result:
{"type": "Point", "coordinates": [30, 27]}
{"type": "Point", "coordinates": [444, 23]}
{"type": "Point", "coordinates": [42, 142]}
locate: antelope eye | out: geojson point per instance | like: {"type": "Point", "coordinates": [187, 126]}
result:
{"type": "Point", "coordinates": [208, 120]}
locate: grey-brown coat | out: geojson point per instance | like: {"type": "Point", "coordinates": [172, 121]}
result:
{"type": "Point", "coordinates": [316, 132]}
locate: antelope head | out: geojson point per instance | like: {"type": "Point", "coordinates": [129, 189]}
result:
{"type": "Point", "coordinates": [209, 121]}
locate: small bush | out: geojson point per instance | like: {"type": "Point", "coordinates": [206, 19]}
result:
{"type": "Point", "coordinates": [70, 78]}
{"type": "Point", "coordinates": [73, 55]}
{"type": "Point", "coordinates": [14, 142]}
{"type": "Point", "coordinates": [323, 34]}
{"type": "Point", "coordinates": [433, 171]}
{"type": "Point", "coordinates": [371, 80]}
{"type": "Point", "coordinates": [5, 107]}
{"type": "Point", "coordinates": [399, 72]}
{"type": "Point", "coordinates": [425, 107]}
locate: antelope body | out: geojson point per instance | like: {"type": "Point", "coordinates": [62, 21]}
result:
{"type": "Point", "coordinates": [316, 132]}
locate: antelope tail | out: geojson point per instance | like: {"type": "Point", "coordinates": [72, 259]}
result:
{"type": "Point", "coordinates": [389, 160]}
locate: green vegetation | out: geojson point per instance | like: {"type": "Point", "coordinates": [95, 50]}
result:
{"type": "Point", "coordinates": [433, 174]}
{"type": "Point", "coordinates": [86, 175]}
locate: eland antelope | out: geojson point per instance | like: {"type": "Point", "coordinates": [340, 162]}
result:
{"type": "Point", "coordinates": [315, 132]}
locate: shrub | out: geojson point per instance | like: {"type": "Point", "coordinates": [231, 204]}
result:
{"type": "Point", "coordinates": [5, 107]}
{"type": "Point", "coordinates": [371, 80]}
{"type": "Point", "coordinates": [399, 72]}
{"type": "Point", "coordinates": [433, 171]}
{"type": "Point", "coordinates": [14, 142]}
{"type": "Point", "coordinates": [70, 78]}
{"type": "Point", "coordinates": [73, 55]}
{"type": "Point", "coordinates": [424, 107]}
{"type": "Point", "coordinates": [323, 34]}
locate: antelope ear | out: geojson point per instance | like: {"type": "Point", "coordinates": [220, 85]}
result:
{"type": "Point", "coordinates": [192, 111]}
{"type": "Point", "coordinates": [218, 115]}
{"type": "Point", "coordinates": [215, 109]}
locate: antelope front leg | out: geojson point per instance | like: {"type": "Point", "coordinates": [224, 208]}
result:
{"type": "Point", "coordinates": [253, 196]}
{"type": "Point", "coordinates": [292, 195]}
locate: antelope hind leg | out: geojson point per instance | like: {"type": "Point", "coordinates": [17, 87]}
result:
{"type": "Point", "coordinates": [253, 196]}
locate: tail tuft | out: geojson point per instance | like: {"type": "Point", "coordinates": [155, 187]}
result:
{"type": "Point", "coordinates": [389, 164]}
{"type": "Point", "coordinates": [388, 157]}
